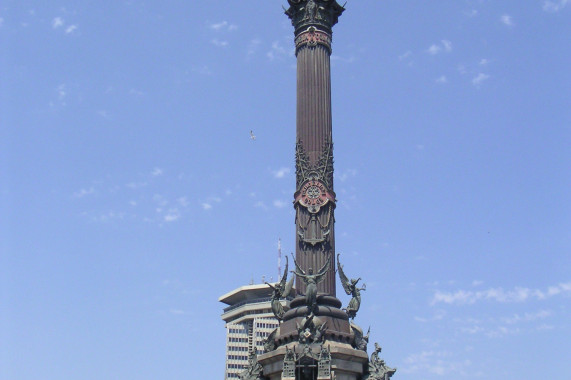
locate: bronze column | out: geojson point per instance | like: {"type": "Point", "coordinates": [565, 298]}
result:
{"type": "Point", "coordinates": [314, 199]}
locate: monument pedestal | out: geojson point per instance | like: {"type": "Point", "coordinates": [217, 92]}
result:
{"type": "Point", "coordinates": [346, 362]}
{"type": "Point", "coordinates": [314, 346]}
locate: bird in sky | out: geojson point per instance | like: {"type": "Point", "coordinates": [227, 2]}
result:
{"type": "Point", "coordinates": [252, 135]}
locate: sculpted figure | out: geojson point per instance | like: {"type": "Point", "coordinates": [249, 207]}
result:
{"type": "Point", "coordinates": [254, 369]}
{"type": "Point", "coordinates": [378, 369]}
{"type": "Point", "coordinates": [311, 280]}
{"type": "Point", "coordinates": [281, 290]}
{"type": "Point", "coordinates": [270, 343]}
{"type": "Point", "coordinates": [360, 342]}
{"type": "Point", "coordinates": [350, 288]}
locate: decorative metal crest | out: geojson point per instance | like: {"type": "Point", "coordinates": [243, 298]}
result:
{"type": "Point", "coordinates": [322, 170]}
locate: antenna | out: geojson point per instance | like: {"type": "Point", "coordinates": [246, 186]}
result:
{"type": "Point", "coordinates": [279, 258]}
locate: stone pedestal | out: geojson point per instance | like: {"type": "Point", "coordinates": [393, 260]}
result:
{"type": "Point", "coordinates": [306, 336]}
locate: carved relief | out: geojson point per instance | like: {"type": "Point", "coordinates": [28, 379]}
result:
{"type": "Point", "coordinates": [312, 37]}
{"type": "Point", "coordinates": [314, 199]}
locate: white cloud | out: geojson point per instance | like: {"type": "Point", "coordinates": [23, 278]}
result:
{"type": "Point", "coordinates": [281, 173]}
{"type": "Point", "coordinates": [157, 172]}
{"type": "Point", "coordinates": [276, 50]}
{"type": "Point", "coordinates": [261, 205]}
{"type": "Point", "coordinates": [219, 43]}
{"type": "Point", "coordinates": [554, 5]}
{"type": "Point", "coordinates": [84, 192]}
{"type": "Point", "coordinates": [528, 317]}
{"type": "Point", "coordinates": [206, 206]}
{"type": "Point", "coordinates": [349, 173]}
{"type": "Point", "coordinates": [183, 201]}
{"type": "Point", "coordinates": [224, 25]}
{"type": "Point", "coordinates": [471, 13]}
{"type": "Point", "coordinates": [435, 362]}
{"type": "Point", "coordinates": [518, 294]}
{"type": "Point", "coordinates": [484, 62]}
{"type": "Point", "coordinates": [507, 20]}
{"type": "Point", "coordinates": [434, 49]}
{"type": "Point", "coordinates": [61, 91]}
{"type": "Point", "coordinates": [70, 29]}
{"type": "Point", "coordinates": [442, 79]}
{"type": "Point", "coordinates": [253, 46]}
{"type": "Point", "coordinates": [172, 215]}
{"type": "Point", "coordinates": [478, 79]}
{"type": "Point", "coordinates": [444, 45]}
{"type": "Point", "coordinates": [447, 45]}
{"type": "Point", "coordinates": [279, 203]}
{"type": "Point", "coordinates": [1, 21]}
{"type": "Point", "coordinates": [57, 22]}
{"type": "Point", "coordinates": [405, 55]}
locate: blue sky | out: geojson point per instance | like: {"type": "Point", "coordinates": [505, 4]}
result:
{"type": "Point", "coordinates": [132, 196]}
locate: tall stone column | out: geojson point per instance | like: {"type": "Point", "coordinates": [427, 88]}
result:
{"type": "Point", "coordinates": [314, 199]}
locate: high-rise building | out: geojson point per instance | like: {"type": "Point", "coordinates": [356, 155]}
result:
{"type": "Point", "coordinates": [249, 322]}
{"type": "Point", "coordinates": [315, 339]}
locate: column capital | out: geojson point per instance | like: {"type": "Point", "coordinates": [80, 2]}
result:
{"type": "Point", "coordinates": [319, 14]}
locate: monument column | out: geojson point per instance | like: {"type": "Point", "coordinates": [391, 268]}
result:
{"type": "Point", "coordinates": [314, 198]}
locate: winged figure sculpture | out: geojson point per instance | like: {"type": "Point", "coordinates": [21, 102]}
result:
{"type": "Point", "coordinates": [350, 287]}
{"type": "Point", "coordinates": [281, 290]}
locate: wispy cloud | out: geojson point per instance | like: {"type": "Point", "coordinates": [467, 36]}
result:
{"type": "Point", "coordinates": [70, 29]}
{"type": "Point", "coordinates": [157, 172]}
{"type": "Point", "coordinates": [277, 50]}
{"type": "Point", "coordinates": [435, 362]}
{"type": "Point", "coordinates": [518, 294]}
{"type": "Point", "coordinates": [443, 46]}
{"type": "Point", "coordinates": [554, 5]}
{"type": "Point", "coordinates": [279, 203]}
{"type": "Point", "coordinates": [172, 215]}
{"type": "Point", "coordinates": [405, 55]}
{"type": "Point", "coordinates": [57, 22]}
{"type": "Point", "coordinates": [223, 26]}
{"type": "Point", "coordinates": [507, 20]}
{"type": "Point", "coordinates": [253, 46]}
{"type": "Point", "coordinates": [479, 79]}
{"type": "Point", "coordinates": [84, 192]}
{"type": "Point", "coordinates": [442, 79]}
{"type": "Point", "coordinates": [281, 173]}
{"type": "Point", "coordinates": [471, 13]}
{"type": "Point", "coordinates": [346, 174]}
{"type": "Point", "coordinates": [527, 317]}
{"type": "Point", "coordinates": [219, 43]}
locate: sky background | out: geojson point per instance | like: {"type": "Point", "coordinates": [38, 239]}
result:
{"type": "Point", "coordinates": [132, 196]}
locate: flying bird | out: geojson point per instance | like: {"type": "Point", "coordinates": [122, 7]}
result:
{"type": "Point", "coordinates": [252, 135]}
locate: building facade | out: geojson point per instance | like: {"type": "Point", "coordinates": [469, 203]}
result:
{"type": "Point", "coordinates": [249, 322]}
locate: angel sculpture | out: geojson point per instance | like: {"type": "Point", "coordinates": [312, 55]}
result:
{"type": "Point", "coordinates": [311, 280]}
{"type": "Point", "coordinates": [281, 290]}
{"type": "Point", "coordinates": [351, 289]}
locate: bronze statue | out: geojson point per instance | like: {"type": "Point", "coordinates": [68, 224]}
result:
{"type": "Point", "coordinates": [377, 368]}
{"type": "Point", "coordinates": [254, 369]}
{"type": "Point", "coordinates": [281, 290]}
{"type": "Point", "coordinates": [351, 289]}
{"type": "Point", "coordinates": [311, 280]}
{"type": "Point", "coordinates": [360, 341]}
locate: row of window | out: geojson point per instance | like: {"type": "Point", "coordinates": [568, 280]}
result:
{"type": "Point", "coordinates": [237, 357]}
{"type": "Point", "coordinates": [236, 366]}
{"type": "Point", "coordinates": [236, 339]}
{"type": "Point", "coordinates": [263, 325]}
{"type": "Point", "coordinates": [237, 348]}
